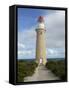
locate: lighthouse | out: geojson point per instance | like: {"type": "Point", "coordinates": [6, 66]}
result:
{"type": "Point", "coordinates": [40, 42]}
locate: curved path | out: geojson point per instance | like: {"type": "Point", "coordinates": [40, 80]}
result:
{"type": "Point", "coordinates": [41, 73]}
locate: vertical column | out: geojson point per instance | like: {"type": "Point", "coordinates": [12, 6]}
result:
{"type": "Point", "coordinates": [40, 42]}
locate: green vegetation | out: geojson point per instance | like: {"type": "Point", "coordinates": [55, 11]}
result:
{"type": "Point", "coordinates": [25, 68]}
{"type": "Point", "coordinates": [57, 67]}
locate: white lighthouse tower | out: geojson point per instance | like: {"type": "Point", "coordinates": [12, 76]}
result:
{"type": "Point", "coordinates": [40, 42]}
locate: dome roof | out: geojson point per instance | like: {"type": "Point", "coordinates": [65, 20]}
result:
{"type": "Point", "coordinates": [40, 19]}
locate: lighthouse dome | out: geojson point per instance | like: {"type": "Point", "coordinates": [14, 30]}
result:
{"type": "Point", "coordinates": [40, 23]}
{"type": "Point", "coordinates": [40, 19]}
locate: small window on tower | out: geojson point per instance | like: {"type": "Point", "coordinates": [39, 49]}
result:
{"type": "Point", "coordinates": [40, 32]}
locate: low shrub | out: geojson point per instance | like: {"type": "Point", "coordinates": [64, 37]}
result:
{"type": "Point", "coordinates": [25, 68]}
{"type": "Point", "coordinates": [57, 67]}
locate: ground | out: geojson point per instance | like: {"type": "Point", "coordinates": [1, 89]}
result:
{"type": "Point", "coordinates": [41, 73]}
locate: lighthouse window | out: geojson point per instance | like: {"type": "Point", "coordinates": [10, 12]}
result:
{"type": "Point", "coordinates": [40, 32]}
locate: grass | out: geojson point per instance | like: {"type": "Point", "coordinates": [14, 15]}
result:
{"type": "Point", "coordinates": [25, 68]}
{"type": "Point", "coordinates": [57, 67]}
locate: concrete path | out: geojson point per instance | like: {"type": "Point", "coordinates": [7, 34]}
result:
{"type": "Point", "coordinates": [41, 73]}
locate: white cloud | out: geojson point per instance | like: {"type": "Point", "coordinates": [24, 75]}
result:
{"type": "Point", "coordinates": [20, 45]}
{"type": "Point", "coordinates": [24, 52]}
{"type": "Point", "coordinates": [55, 30]}
{"type": "Point", "coordinates": [51, 51]}
{"type": "Point", "coordinates": [27, 38]}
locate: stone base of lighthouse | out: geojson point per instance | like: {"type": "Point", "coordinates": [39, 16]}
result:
{"type": "Point", "coordinates": [41, 60]}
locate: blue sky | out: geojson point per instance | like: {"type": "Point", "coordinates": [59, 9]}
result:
{"type": "Point", "coordinates": [55, 32]}
{"type": "Point", "coordinates": [28, 17]}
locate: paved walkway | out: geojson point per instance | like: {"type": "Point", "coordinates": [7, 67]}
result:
{"type": "Point", "coordinates": [41, 73]}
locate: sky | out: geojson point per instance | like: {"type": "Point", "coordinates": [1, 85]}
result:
{"type": "Point", "coordinates": [54, 36]}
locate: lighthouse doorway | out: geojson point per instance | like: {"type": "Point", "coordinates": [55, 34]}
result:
{"type": "Point", "coordinates": [41, 61]}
